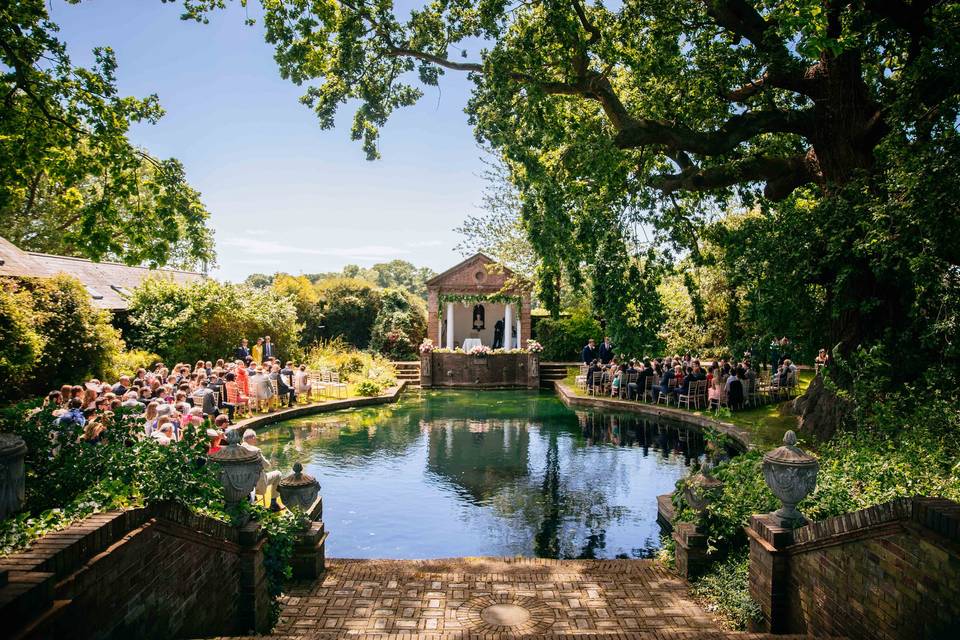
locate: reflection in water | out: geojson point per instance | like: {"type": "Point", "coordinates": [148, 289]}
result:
{"type": "Point", "coordinates": [458, 473]}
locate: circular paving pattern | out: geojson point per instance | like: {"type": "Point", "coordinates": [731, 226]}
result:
{"type": "Point", "coordinates": [506, 613]}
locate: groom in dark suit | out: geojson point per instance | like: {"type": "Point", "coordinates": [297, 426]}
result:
{"type": "Point", "coordinates": [242, 352]}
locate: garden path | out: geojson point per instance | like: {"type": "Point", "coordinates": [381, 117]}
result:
{"type": "Point", "coordinates": [496, 599]}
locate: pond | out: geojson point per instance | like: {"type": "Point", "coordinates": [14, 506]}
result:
{"type": "Point", "coordinates": [491, 473]}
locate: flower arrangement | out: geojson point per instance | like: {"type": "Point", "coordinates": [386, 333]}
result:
{"type": "Point", "coordinates": [534, 347]}
{"type": "Point", "coordinates": [481, 350]}
{"type": "Point", "coordinates": [426, 346]}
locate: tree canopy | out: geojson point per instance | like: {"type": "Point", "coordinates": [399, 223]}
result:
{"type": "Point", "coordinates": [71, 182]}
{"type": "Point", "coordinates": [835, 120]}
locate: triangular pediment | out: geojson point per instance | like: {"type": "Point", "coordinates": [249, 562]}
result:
{"type": "Point", "coordinates": [470, 266]}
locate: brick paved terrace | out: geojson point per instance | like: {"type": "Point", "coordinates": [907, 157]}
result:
{"type": "Point", "coordinates": [489, 597]}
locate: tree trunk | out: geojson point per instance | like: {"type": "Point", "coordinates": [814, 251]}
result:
{"type": "Point", "coordinates": [821, 410]}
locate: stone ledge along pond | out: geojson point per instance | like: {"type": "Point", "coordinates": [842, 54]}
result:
{"type": "Point", "coordinates": [489, 473]}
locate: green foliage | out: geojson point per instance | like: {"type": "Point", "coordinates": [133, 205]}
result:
{"type": "Point", "coordinates": [726, 590]}
{"type": "Point", "coordinates": [305, 301]}
{"type": "Point", "coordinates": [563, 338]}
{"type": "Point", "coordinates": [350, 307]}
{"type": "Point", "coordinates": [400, 325]}
{"type": "Point", "coordinates": [368, 388]}
{"type": "Point", "coordinates": [71, 182]}
{"type": "Point", "coordinates": [67, 339]}
{"type": "Point", "coordinates": [68, 479]}
{"type": "Point", "coordinates": [20, 344]}
{"type": "Point", "coordinates": [630, 128]}
{"type": "Point", "coordinates": [127, 362]}
{"type": "Point", "coordinates": [204, 320]}
{"type": "Point", "coordinates": [351, 364]}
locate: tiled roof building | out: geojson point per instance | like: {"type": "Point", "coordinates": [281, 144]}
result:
{"type": "Point", "coordinates": [108, 283]}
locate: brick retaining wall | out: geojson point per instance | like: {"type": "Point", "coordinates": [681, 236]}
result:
{"type": "Point", "coordinates": [154, 572]}
{"type": "Point", "coordinates": [889, 572]}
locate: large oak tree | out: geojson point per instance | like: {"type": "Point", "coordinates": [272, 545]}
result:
{"type": "Point", "coordinates": [71, 182]}
{"type": "Point", "coordinates": [836, 119]}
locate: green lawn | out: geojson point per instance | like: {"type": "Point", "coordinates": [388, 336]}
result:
{"type": "Point", "coordinates": [765, 424]}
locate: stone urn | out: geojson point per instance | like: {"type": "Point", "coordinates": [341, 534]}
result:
{"type": "Point", "coordinates": [791, 474]}
{"type": "Point", "coordinates": [299, 489]}
{"type": "Point", "coordinates": [697, 490]}
{"type": "Point", "coordinates": [240, 468]}
{"type": "Point", "coordinates": [12, 476]}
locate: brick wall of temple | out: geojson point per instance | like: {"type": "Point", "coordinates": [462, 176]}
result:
{"type": "Point", "coordinates": [887, 572]}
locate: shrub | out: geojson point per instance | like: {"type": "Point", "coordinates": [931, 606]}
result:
{"type": "Point", "coordinates": [75, 340]}
{"type": "Point", "coordinates": [352, 365]}
{"type": "Point", "coordinates": [349, 307]}
{"type": "Point", "coordinates": [207, 319]}
{"type": "Point", "coordinates": [563, 338]}
{"type": "Point", "coordinates": [20, 344]}
{"type": "Point", "coordinates": [368, 388]}
{"type": "Point", "coordinates": [726, 590]}
{"type": "Point", "coordinates": [127, 362]}
{"type": "Point", "coordinates": [400, 326]}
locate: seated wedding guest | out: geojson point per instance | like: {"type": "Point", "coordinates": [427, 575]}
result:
{"type": "Point", "coordinates": [285, 385]}
{"type": "Point", "coordinates": [593, 368]}
{"type": "Point", "coordinates": [73, 416]}
{"type": "Point", "coordinates": [150, 417]}
{"type": "Point", "coordinates": [717, 386]}
{"type": "Point", "coordinates": [131, 400]}
{"type": "Point", "coordinates": [164, 434]}
{"type": "Point", "coordinates": [94, 431]}
{"type": "Point", "coordinates": [663, 386]}
{"type": "Point", "coordinates": [216, 440]}
{"type": "Point", "coordinates": [267, 479]}
{"type": "Point", "coordinates": [53, 400]}
{"type": "Point", "coordinates": [235, 396]}
{"type": "Point", "coordinates": [260, 387]}
{"type": "Point", "coordinates": [301, 382]}
{"type": "Point", "coordinates": [122, 386]}
{"type": "Point", "coordinates": [243, 380]}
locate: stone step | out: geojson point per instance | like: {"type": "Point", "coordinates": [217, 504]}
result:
{"type": "Point", "coordinates": [26, 596]}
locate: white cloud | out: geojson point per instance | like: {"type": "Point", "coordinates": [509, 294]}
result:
{"type": "Point", "coordinates": [270, 247]}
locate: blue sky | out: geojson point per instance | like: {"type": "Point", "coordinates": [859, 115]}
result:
{"type": "Point", "coordinates": [284, 195]}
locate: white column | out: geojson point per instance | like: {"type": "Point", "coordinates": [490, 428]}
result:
{"type": "Point", "coordinates": [439, 326]}
{"type": "Point", "coordinates": [449, 325]}
{"type": "Point", "coordinates": [519, 337]}
{"type": "Point", "coordinates": [508, 327]}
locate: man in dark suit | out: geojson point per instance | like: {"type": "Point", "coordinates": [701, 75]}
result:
{"type": "Point", "coordinates": [242, 352]}
{"type": "Point", "coordinates": [268, 350]}
{"type": "Point", "coordinates": [284, 378]}
{"type": "Point", "coordinates": [606, 351]}
{"type": "Point", "coordinates": [589, 353]}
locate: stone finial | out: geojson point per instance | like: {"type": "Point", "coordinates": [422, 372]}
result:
{"type": "Point", "coordinates": [299, 489]}
{"type": "Point", "coordinates": [240, 468]}
{"type": "Point", "coordinates": [791, 474]}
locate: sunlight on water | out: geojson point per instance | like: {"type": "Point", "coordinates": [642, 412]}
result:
{"type": "Point", "coordinates": [452, 473]}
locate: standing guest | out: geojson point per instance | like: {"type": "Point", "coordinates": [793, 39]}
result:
{"type": "Point", "coordinates": [605, 352]}
{"type": "Point", "coordinates": [242, 351]}
{"type": "Point", "coordinates": [257, 352]}
{"type": "Point", "coordinates": [267, 479]}
{"type": "Point", "coordinates": [589, 353]}
{"type": "Point", "coordinates": [268, 350]}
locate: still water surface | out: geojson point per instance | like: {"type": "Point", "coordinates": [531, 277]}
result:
{"type": "Point", "coordinates": [456, 473]}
